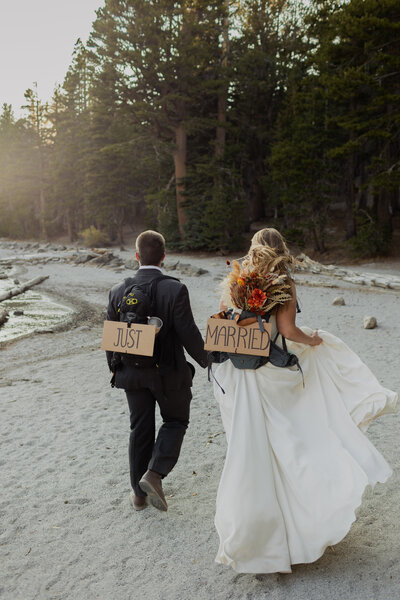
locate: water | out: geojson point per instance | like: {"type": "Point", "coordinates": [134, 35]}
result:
{"type": "Point", "coordinates": [40, 312]}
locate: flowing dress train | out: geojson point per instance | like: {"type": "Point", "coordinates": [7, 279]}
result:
{"type": "Point", "coordinates": [297, 461]}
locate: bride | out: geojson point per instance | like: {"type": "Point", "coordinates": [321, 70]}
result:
{"type": "Point", "coordinates": [297, 461]}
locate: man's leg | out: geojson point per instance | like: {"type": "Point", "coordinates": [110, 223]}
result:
{"type": "Point", "coordinates": [141, 441]}
{"type": "Point", "coordinates": [175, 410]}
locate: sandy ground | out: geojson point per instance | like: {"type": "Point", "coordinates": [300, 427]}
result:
{"type": "Point", "coordinates": [67, 528]}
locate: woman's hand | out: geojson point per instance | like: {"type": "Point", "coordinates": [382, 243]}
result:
{"type": "Point", "coordinates": [286, 324]}
{"type": "Point", "coordinates": [316, 340]}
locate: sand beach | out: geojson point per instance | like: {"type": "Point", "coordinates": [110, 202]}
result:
{"type": "Point", "coordinates": [67, 529]}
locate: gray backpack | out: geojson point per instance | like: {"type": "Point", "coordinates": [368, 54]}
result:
{"type": "Point", "coordinates": [279, 357]}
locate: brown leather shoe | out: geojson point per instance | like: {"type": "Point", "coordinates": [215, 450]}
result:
{"type": "Point", "coordinates": [138, 502]}
{"type": "Point", "coordinates": [151, 484]}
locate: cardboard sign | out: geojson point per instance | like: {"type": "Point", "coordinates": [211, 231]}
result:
{"type": "Point", "coordinates": [136, 339]}
{"type": "Point", "coordinates": [226, 336]}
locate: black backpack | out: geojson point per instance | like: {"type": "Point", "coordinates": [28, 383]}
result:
{"type": "Point", "coordinates": [138, 303]}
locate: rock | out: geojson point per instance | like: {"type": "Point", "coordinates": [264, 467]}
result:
{"type": "Point", "coordinates": [201, 271]}
{"type": "Point", "coordinates": [84, 328]}
{"type": "Point", "coordinates": [338, 301]}
{"type": "Point", "coordinates": [381, 282]}
{"type": "Point", "coordinates": [3, 315]}
{"type": "Point", "coordinates": [171, 266]}
{"type": "Point", "coordinates": [370, 323]}
{"type": "Point", "coordinates": [16, 281]}
{"type": "Point", "coordinates": [103, 259]}
{"type": "Point", "coordinates": [84, 258]}
{"type": "Point", "coordinates": [18, 313]}
{"type": "Point", "coordinates": [355, 280]}
{"type": "Point", "coordinates": [131, 263]}
{"type": "Point", "coordinates": [3, 276]}
{"type": "Point", "coordinates": [100, 250]}
{"type": "Point", "coordinates": [115, 262]}
{"type": "Point", "coordinates": [188, 269]}
{"type": "Point", "coordinates": [40, 250]}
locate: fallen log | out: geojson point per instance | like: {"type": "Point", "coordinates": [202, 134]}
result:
{"type": "Point", "coordinates": [3, 316]}
{"type": "Point", "coordinates": [22, 288]}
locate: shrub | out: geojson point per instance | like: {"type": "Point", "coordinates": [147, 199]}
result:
{"type": "Point", "coordinates": [93, 237]}
{"type": "Point", "coordinates": [372, 239]}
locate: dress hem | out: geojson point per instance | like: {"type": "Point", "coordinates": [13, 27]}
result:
{"type": "Point", "coordinates": [224, 560]}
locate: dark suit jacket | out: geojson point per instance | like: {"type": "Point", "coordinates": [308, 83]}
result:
{"type": "Point", "coordinates": [179, 331]}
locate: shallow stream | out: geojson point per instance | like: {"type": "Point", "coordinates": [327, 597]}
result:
{"type": "Point", "coordinates": [39, 313]}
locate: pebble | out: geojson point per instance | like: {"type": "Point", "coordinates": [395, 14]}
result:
{"type": "Point", "coordinates": [339, 301]}
{"type": "Point", "coordinates": [370, 323]}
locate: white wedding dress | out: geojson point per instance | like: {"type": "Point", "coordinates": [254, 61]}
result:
{"type": "Point", "coordinates": [297, 461]}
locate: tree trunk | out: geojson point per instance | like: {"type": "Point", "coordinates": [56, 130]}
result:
{"type": "Point", "coordinates": [350, 199]}
{"type": "Point", "coordinates": [180, 174]}
{"type": "Point", "coordinates": [42, 211]}
{"type": "Point", "coordinates": [22, 288]}
{"type": "Point", "coordinates": [70, 229]}
{"type": "Point", "coordinates": [223, 94]}
{"type": "Point", "coordinates": [256, 201]}
{"type": "Point", "coordinates": [384, 211]}
{"type": "Point", "coordinates": [120, 231]}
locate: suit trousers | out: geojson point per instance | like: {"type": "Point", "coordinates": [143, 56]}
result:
{"type": "Point", "coordinates": [162, 454]}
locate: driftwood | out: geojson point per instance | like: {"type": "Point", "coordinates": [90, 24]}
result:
{"type": "Point", "coordinates": [22, 288]}
{"type": "Point", "coordinates": [3, 316]}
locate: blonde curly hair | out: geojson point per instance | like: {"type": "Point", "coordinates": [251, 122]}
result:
{"type": "Point", "coordinates": [268, 252]}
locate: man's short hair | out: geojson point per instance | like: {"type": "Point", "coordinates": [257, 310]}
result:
{"type": "Point", "coordinates": [150, 245]}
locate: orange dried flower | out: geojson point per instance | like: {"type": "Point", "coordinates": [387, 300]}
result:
{"type": "Point", "coordinates": [257, 298]}
{"type": "Point", "coordinates": [240, 281]}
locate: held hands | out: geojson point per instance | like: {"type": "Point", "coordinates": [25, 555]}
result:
{"type": "Point", "coordinates": [315, 339]}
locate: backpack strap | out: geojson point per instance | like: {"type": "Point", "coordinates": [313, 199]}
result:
{"type": "Point", "coordinates": [131, 281]}
{"type": "Point", "coordinates": [152, 284]}
{"type": "Point", "coordinates": [284, 346]}
{"type": "Point", "coordinates": [210, 372]}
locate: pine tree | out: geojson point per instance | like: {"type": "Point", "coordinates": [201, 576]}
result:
{"type": "Point", "coordinates": [166, 54]}
{"type": "Point", "coordinates": [38, 122]}
{"type": "Point", "coordinates": [70, 117]}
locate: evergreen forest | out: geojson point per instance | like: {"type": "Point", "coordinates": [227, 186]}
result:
{"type": "Point", "coordinates": [201, 119]}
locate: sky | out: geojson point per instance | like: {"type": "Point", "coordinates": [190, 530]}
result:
{"type": "Point", "coordinates": [37, 39]}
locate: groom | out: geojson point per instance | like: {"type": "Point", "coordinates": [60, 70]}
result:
{"type": "Point", "coordinates": [167, 384]}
